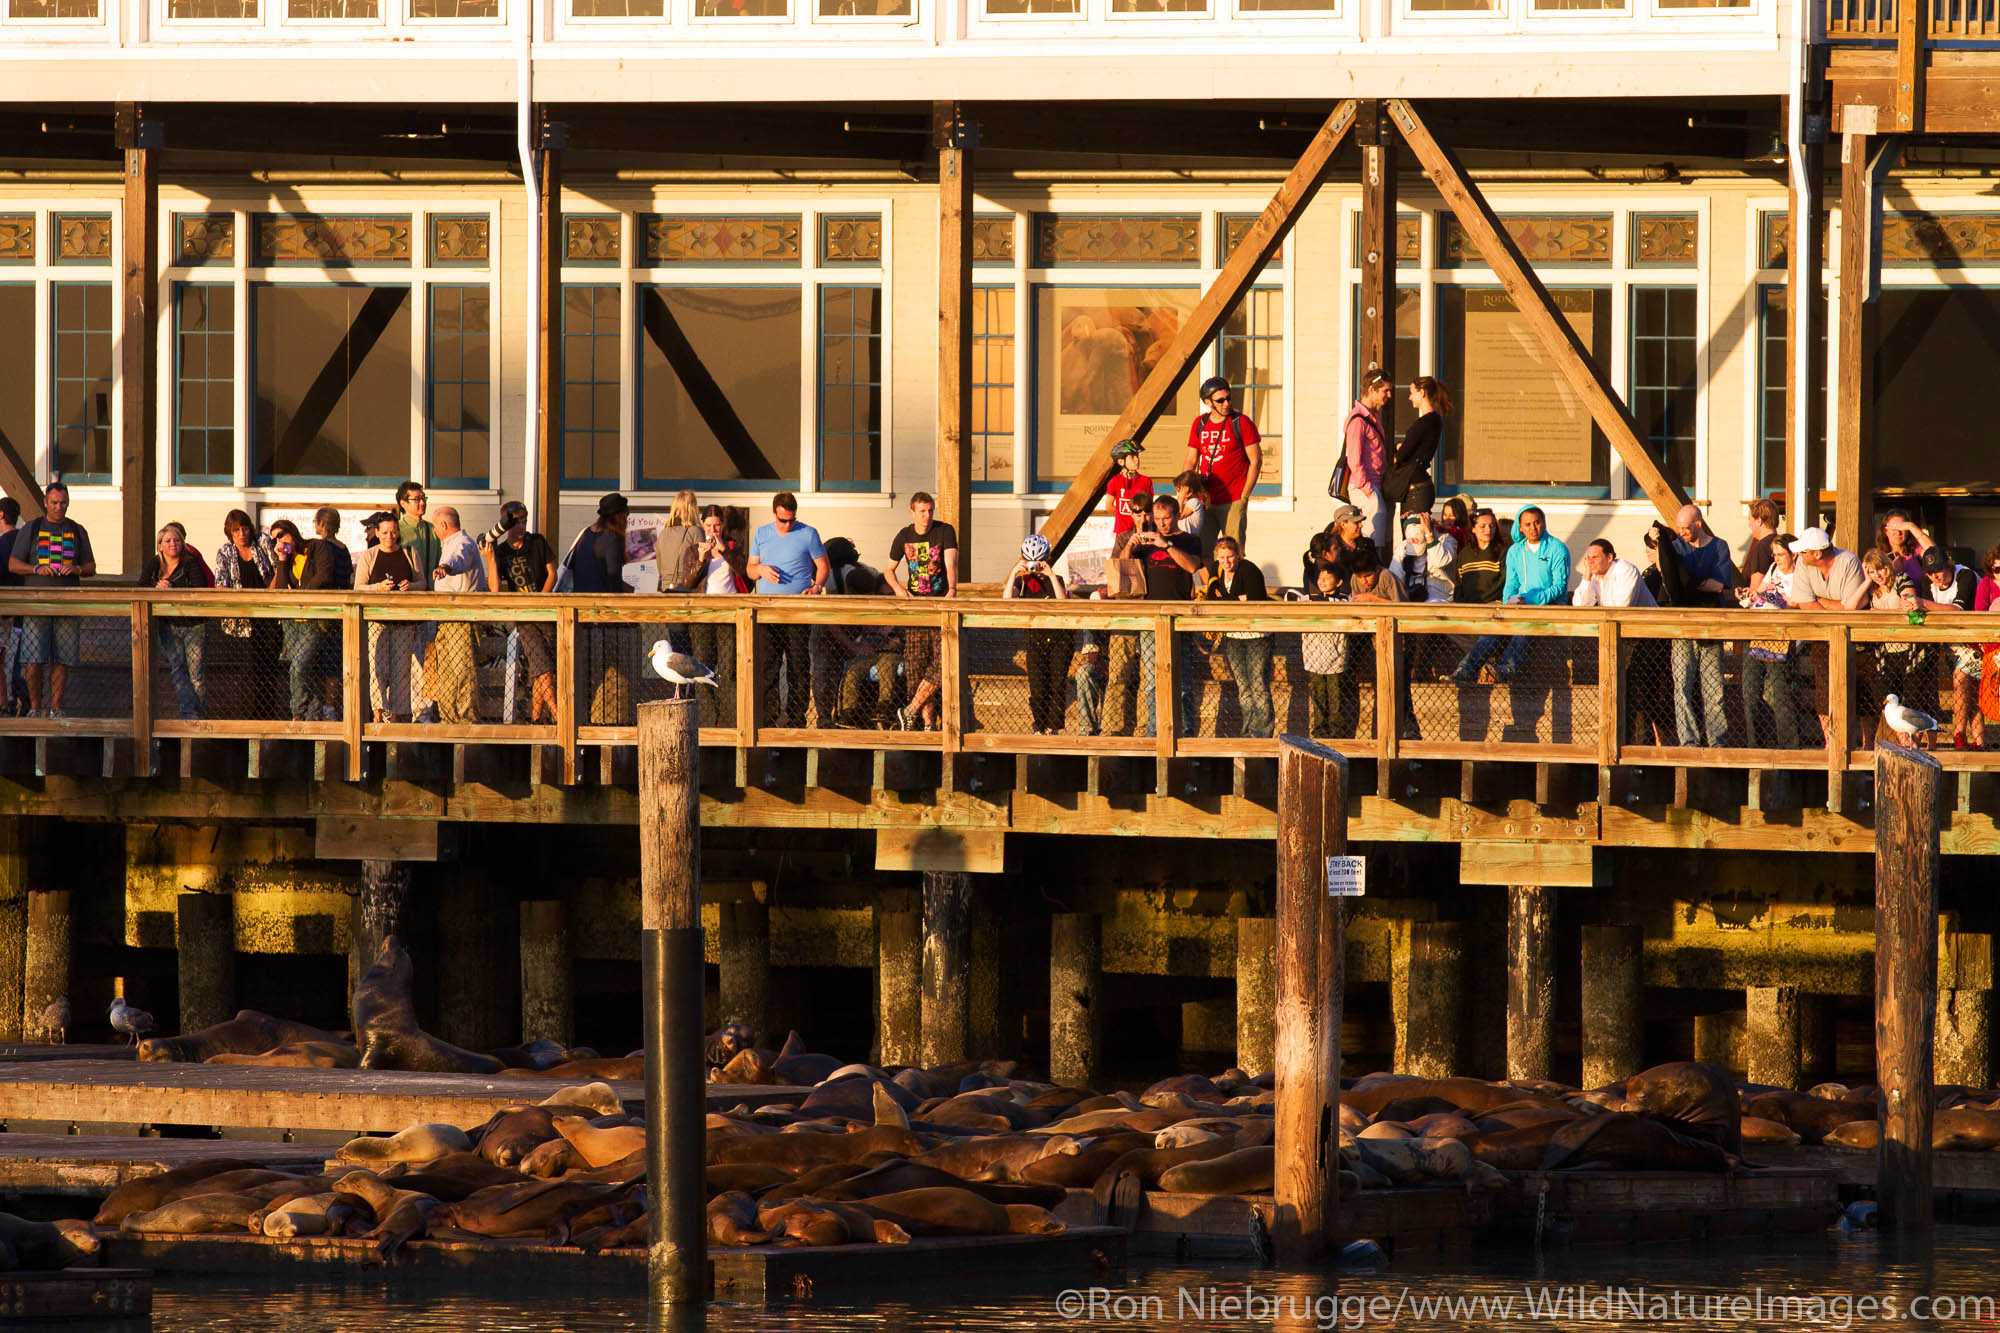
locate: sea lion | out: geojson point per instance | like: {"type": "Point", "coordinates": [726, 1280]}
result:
{"type": "Point", "coordinates": [805, 1069]}
{"type": "Point", "coordinates": [46, 1246]}
{"type": "Point", "coordinates": [297, 1055]}
{"type": "Point", "coordinates": [1756, 1129]}
{"type": "Point", "coordinates": [732, 1220]}
{"type": "Point", "coordinates": [1179, 1136]}
{"type": "Point", "coordinates": [1519, 1149]}
{"type": "Point", "coordinates": [602, 1147]}
{"type": "Point", "coordinates": [1080, 1167]}
{"type": "Point", "coordinates": [895, 1177]}
{"type": "Point", "coordinates": [1000, 1157]}
{"type": "Point", "coordinates": [418, 1143]}
{"type": "Point", "coordinates": [400, 1214]}
{"type": "Point", "coordinates": [804, 1221]}
{"type": "Point", "coordinates": [1965, 1129]}
{"type": "Point", "coordinates": [1465, 1094]}
{"type": "Point", "coordinates": [201, 1215]}
{"type": "Point", "coordinates": [1407, 1109]}
{"type": "Point", "coordinates": [328, 1214]}
{"type": "Point", "coordinates": [1812, 1118]}
{"type": "Point", "coordinates": [1245, 1171]}
{"type": "Point", "coordinates": [1150, 1121]}
{"type": "Point", "coordinates": [1444, 1125]}
{"type": "Point", "coordinates": [752, 1179]}
{"type": "Point", "coordinates": [943, 1211]}
{"type": "Point", "coordinates": [556, 1157]}
{"type": "Point", "coordinates": [1857, 1135]}
{"type": "Point", "coordinates": [600, 1068]}
{"type": "Point", "coordinates": [1186, 1085]}
{"type": "Point", "coordinates": [596, 1098]}
{"type": "Point", "coordinates": [249, 1033]}
{"type": "Point", "coordinates": [727, 1042]}
{"type": "Point", "coordinates": [1634, 1141]}
{"type": "Point", "coordinates": [520, 1210]}
{"type": "Point", "coordinates": [799, 1152]}
{"type": "Point", "coordinates": [147, 1192]}
{"type": "Point", "coordinates": [385, 1023]}
{"type": "Point", "coordinates": [1146, 1164]}
{"type": "Point", "coordinates": [1385, 1129]}
{"type": "Point", "coordinates": [512, 1134]}
{"type": "Point", "coordinates": [468, 1169]}
{"type": "Point", "coordinates": [632, 1234]}
{"type": "Point", "coordinates": [1699, 1098]}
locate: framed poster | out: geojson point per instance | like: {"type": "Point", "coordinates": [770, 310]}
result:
{"type": "Point", "coordinates": [1094, 346]}
{"type": "Point", "coordinates": [1522, 420]}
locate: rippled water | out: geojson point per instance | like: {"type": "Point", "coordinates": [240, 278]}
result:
{"type": "Point", "coordinates": [1803, 1282]}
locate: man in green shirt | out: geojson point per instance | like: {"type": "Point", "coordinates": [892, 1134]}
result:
{"type": "Point", "coordinates": [420, 539]}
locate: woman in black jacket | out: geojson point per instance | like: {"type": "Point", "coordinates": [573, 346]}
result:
{"type": "Point", "coordinates": [1408, 478]}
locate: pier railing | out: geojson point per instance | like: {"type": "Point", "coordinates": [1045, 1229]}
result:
{"type": "Point", "coordinates": [1725, 689]}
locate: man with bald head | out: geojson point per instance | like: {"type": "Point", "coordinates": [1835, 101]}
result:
{"type": "Point", "coordinates": [1700, 713]}
{"type": "Point", "coordinates": [450, 667]}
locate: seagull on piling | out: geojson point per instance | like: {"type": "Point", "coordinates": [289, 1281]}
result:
{"type": "Point", "coordinates": [681, 669]}
{"type": "Point", "coordinates": [55, 1021]}
{"type": "Point", "coordinates": [135, 1023]}
{"type": "Point", "coordinates": [1908, 724]}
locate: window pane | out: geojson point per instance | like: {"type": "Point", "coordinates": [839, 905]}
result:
{"type": "Point", "coordinates": [1093, 346]}
{"type": "Point", "coordinates": [741, 9]}
{"type": "Point", "coordinates": [850, 377]}
{"type": "Point", "coordinates": [1159, 6]}
{"type": "Point", "coordinates": [17, 348]}
{"type": "Point", "coordinates": [864, 8]}
{"type": "Point", "coordinates": [719, 371]}
{"type": "Point", "coordinates": [1454, 6]}
{"type": "Point", "coordinates": [205, 376]}
{"type": "Point", "coordinates": [1286, 6]}
{"type": "Point", "coordinates": [241, 10]}
{"type": "Point", "coordinates": [331, 9]}
{"type": "Point", "coordinates": [333, 382]}
{"type": "Point", "coordinates": [1663, 384]}
{"type": "Point", "coordinates": [590, 385]}
{"type": "Point", "coordinates": [1521, 425]}
{"type": "Point", "coordinates": [1933, 352]}
{"type": "Point", "coordinates": [1253, 361]}
{"type": "Point", "coordinates": [618, 9]}
{"type": "Point", "coordinates": [81, 411]}
{"type": "Point", "coordinates": [1012, 7]}
{"type": "Point", "coordinates": [460, 386]}
{"type": "Point", "coordinates": [51, 9]}
{"type": "Point", "coordinates": [454, 9]}
{"type": "Point", "coordinates": [993, 385]}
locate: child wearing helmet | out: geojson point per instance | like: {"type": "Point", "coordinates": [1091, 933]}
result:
{"type": "Point", "coordinates": [1129, 489]}
{"type": "Point", "coordinates": [1048, 649]}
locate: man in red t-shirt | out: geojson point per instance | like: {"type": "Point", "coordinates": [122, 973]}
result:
{"type": "Point", "coordinates": [1224, 447]}
{"type": "Point", "coordinates": [1129, 489]}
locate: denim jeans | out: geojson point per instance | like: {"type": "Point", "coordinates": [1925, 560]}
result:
{"type": "Point", "coordinates": [1089, 680]}
{"type": "Point", "coordinates": [1147, 708]}
{"type": "Point", "coordinates": [1697, 666]}
{"type": "Point", "coordinates": [1250, 664]}
{"type": "Point", "coordinates": [1512, 648]}
{"type": "Point", "coordinates": [180, 643]}
{"type": "Point", "coordinates": [302, 644]}
{"type": "Point", "coordinates": [1770, 703]}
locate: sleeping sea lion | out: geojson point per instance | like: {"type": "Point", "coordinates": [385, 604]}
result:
{"type": "Point", "coordinates": [1466, 1094]}
{"type": "Point", "coordinates": [1699, 1098]}
{"type": "Point", "coordinates": [418, 1143]}
{"type": "Point", "coordinates": [602, 1147]}
{"type": "Point", "coordinates": [942, 1211]}
{"type": "Point", "coordinates": [1078, 1168]}
{"type": "Point", "coordinates": [1812, 1118]}
{"type": "Point", "coordinates": [400, 1214]}
{"type": "Point", "coordinates": [1634, 1141]}
{"type": "Point", "coordinates": [898, 1176]}
{"type": "Point", "coordinates": [385, 1023]}
{"type": "Point", "coordinates": [1185, 1085]}
{"type": "Point", "coordinates": [1245, 1171]}
{"type": "Point", "coordinates": [147, 1192]}
{"type": "Point", "coordinates": [249, 1033]}
{"type": "Point", "coordinates": [1519, 1149]}
{"type": "Point", "coordinates": [468, 1169]}
{"type": "Point", "coordinates": [752, 1179]}
{"type": "Point", "coordinates": [1146, 1164]}
{"type": "Point", "coordinates": [1444, 1125]}
{"type": "Point", "coordinates": [751, 1066]}
{"type": "Point", "coordinates": [600, 1068]}
{"type": "Point", "coordinates": [521, 1210]}
{"type": "Point", "coordinates": [1756, 1130]}
{"type": "Point", "coordinates": [202, 1215]}
{"type": "Point", "coordinates": [804, 1222]}
{"type": "Point", "coordinates": [1000, 1157]}
{"type": "Point", "coordinates": [1965, 1129]}
{"type": "Point", "coordinates": [1856, 1135]}
{"type": "Point", "coordinates": [799, 1152]}
{"type": "Point", "coordinates": [297, 1055]}
{"type": "Point", "coordinates": [596, 1098]}
{"type": "Point", "coordinates": [732, 1220]}
{"type": "Point", "coordinates": [556, 1157]}
{"type": "Point", "coordinates": [43, 1247]}
{"type": "Point", "coordinates": [511, 1135]}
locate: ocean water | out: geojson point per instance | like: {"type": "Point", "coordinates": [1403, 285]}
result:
{"type": "Point", "coordinates": [1825, 1280]}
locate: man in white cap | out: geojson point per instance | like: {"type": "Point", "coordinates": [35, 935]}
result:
{"type": "Point", "coordinates": [1825, 578]}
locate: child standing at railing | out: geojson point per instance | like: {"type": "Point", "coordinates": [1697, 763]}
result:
{"type": "Point", "coordinates": [1325, 658]}
{"type": "Point", "coordinates": [1048, 649]}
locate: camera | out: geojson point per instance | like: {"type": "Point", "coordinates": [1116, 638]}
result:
{"type": "Point", "coordinates": [494, 533]}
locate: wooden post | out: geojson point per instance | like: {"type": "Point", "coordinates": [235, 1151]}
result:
{"type": "Point", "coordinates": [1805, 326]}
{"type": "Point", "coordinates": [353, 686]}
{"type": "Point", "coordinates": [1913, 33]}
{"type": "Point", "coordinates": [47, 954]}
{"type": "Point", "coordinates": [984, 991]}
{"type": "Point", "coordinates": [1165, 684]}
{"type": "Point", "coordinates": [1073, 1011]}
{"type": "Point", "coordinates": [1906, 978]}
{"type": "Point", "coordinates": [566, 632]}
{"type": "Point", "coordinates": [899, 979]}
{"type": "Point", "coordinates": [1610, 694]}
{"type": "Point", "coordinates": [1771, 1035]}
{"type": "Point", "coordinates": [1245, 262]}
{"type": "Point", "coordinates": [746, 678]}
{"type": "Point", "coordinates": [205, 948]}
{"type": "Point", "coordinates": [1531, 980]}
{"type": "Point", "coordinates": [1860, 284]}
{"type": "Point", "coordinates": [548, 993]}
{"type": "Point", "coordinates": [139, 339]}
{"type": "Point", "coordinates": [947, 964]}
{"type": "Point", "coordinates": [954, 138]}
{"type": "Point", "coordinates": [15, 1023]}
{"type": "Point", "coordinates": [1496, 246]}
{"type": "Point", "coordinates": [1427, 991]}
{"type": "Point", "coordinates": [476, 973]}
{"type": "Point", "coordinates": [671, 957]}
{"type": "Point", "coordinates": [1375, 136]}
{"type": "Point", "coordinates": [142, 689]}
{"type": "Point", "coordinates": [1612, 1048]}
{"type": "Point", "coordinates": [1311, 941]}
{"type": "Point", "coordinates": [548, 251]}
{"type": "Point", "coordinates": [1965, 1010]}
{"type": "Point", "coordinates": [1840, 715]}
{"type": "Point", "coordinates": [1388, 697]}
{"type": "Point", "coordinates": [1256, 993]}
{"type": "Point", "coordinates": [746, 962]}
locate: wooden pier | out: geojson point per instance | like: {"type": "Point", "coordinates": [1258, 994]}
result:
{"type": "Point", "coordinates": [92, 1165]}
{"type": "Point", "coordinates": [1637, 1207]}
{"type": "Point", "coordinates": [1960, 1172]}
{"type": "Point", "coordinates": [1422, 1221]}
{"type": "Point", "coordinates": [76, 1293]}
{"type": "Point", "coordinates": [341, 1101]}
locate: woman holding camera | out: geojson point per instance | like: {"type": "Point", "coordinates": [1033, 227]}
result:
{"type": "Point", "coordinates": [520, 561]}
{"type": "Point", "coordinates": [387, 566]}
{"type": "Point", "coordinates": [715, 566]}
{"type": "Point", "coordinates": [1233, 579]}
{"type": "Point", "coordinates": [1048, 649]}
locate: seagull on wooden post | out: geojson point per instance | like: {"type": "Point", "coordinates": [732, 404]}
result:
{"type": "Point", "coordinates": [135, 1023]}
{"type": "Point", "coordinates": [55, 1021]}
{"type": "Point", "coordinates": [681, 669]}
{"type": "Point", "coordinates": [1909, 725]}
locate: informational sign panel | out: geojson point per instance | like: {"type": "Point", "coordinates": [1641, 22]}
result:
{"type": "Point", "coordinates": [1346, 876]}
{"type": "Point", "coordinates": [1522, 420]}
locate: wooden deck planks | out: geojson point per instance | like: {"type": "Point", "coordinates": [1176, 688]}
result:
{"type": "Point", "coordinates": [1952, 1170]}
{"type": "Point", "coordinates": [337, 1100]}
{"type": "Point", "coordinates": [92, 1165]}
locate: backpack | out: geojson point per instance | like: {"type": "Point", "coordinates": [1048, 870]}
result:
{"type": "Point", "coordinates": [566, 571]}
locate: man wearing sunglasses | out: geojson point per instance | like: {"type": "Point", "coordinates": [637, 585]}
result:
{"type": "Point", "coordinates": [1224, 447]}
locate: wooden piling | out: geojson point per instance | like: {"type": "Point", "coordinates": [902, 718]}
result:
{"type": "Point", "coordinates": [947, 965]}
{"type": "Point", "coordinates": [899, 979]}
{"type": "Point", "coordinates": [1965, 1010]}
{"type": "Point", "coordinates": [1531, 980]}
{"type": "Point", "coordinates": [746, 962]}
{"type": "Point", "coordinates": [548, 993]}
{"type": "Point", "coordinates": [1312, 825]}
{"type": "Point", "coordinates": [15, 1023]}
{"type": "Point", "coordinates": [1074, 953]}
{"type": "Point", "coordinates": [1256, 995]}
{"type": "Point", "coordinates": [47, 954]}
{"type": "Point", "coordinates": [1771, 1035]}
{"type": "Point", "coordinates": [1427, 994]}
{"type": "Point", "coordinates": [1611, 988]}
{"type": "Point", "coordinates": [671, 956]}
{"type": "Point", "coordinates": [205, 945]}
{"type": "Point", "coordinates": [1906, 974]}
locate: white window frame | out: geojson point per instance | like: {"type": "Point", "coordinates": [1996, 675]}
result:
{"type": "Point", "coordinates": [43, 272]}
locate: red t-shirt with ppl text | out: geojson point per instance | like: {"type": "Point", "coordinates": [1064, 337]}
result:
{"type": "Point", "coordinates": [1220, 456]}
{"type": "Point", "coordinates": [1122, 490]}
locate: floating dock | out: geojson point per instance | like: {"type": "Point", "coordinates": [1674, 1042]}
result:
{"type": "Point", "coordinates": [1635, 1207]}
{"type": "Point", "coordinates": [55, 1095]}
{"type": "Point", "coordinates": [1424, 1220]}
{"type": "Point", "coordinates": [1965, 1172]}
{"type": "Point", "coordinates": [90, 1166]}
{"type": "Point", "coordinates": [76, 1293]}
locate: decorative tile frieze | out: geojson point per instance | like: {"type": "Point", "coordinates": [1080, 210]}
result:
{"type": "Point", "coordinates": [1235, 226]}
{"type": "Point", "coordinates": [1544, 238]}
{"type": "Point", "coordinates": [591, 239]}
{"type": "Point", "coordinates": [82, 238]}
{"type": "Point", "coordinates": [17, 238]}
{"type": "Point", "coordinates": [461, 239]}
{"type": "Point", "coordinates": [1916, 239]}
{"type": "Point", "coordinates": [204, 238]}
{"type": "Point", "coordinates": [993, 240]}
{"type": "Point", "coordinates": [1070, 238]}
{"type": "Point", "coordinates": [333, 242]}
{"type": "Point", "coordinates": [1666, 239]}
{"type": "Point", "coordinates": [667, 238]}
{"type": "Point", "coordinates": [850, 240]}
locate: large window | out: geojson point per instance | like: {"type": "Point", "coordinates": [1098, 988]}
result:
{"type": "Point", "coordinates": [850, 388]}
{"type": "Point", "coordinates": [82, 402]}
{"type": "Point", "coordinates": [18, 348]}
{"type": "Point", "coordinates": [333, 383]}
{"type": "Point", "coordinates": [1253, 360]}
{"type": "Point", "coordinates": [719, 375]}
{"type": "Point", "coordinates": [204, 383]}
{"type": "Point", "coordinates": [1521, 427]}
{"type": "Point", "coordinates": [1774, 372]}
{"type": "Point", "coordinates": [1094, 346]}
{"type": "Point", "coordinates": [590, 386]}
{"type": "Point", "coordinates": [1663, 393]}
{"type": "Point", "coordinates": [993, 388]}
{"type": "Point", "coordinates": [461, 427]}
{"type": "Point", "coordinates": [1933, 351]}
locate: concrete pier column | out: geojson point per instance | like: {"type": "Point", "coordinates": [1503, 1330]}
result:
{"type": "Point", "coordinates": [205, 945]}
{"type": "Point", "coordinates": [947, 965]}
{"type": "Point", "coordinates": [983, 1026]}
{"type": "Point", "coordinates": [1427, 996]}
{"type": "Point", "coordinates": [15, 1024]}
{"type": "Point", "coordinates": [476, 963]}
{"type": "Point", "coordinates": [47, 954]}
{"type": "Point", "coordinates": [1771, 1035]}
{"type": "Point", "coordinates": [1531, 980]}
{"type": "Point", "coordinates": [1256, 993]}
{"type": "Point", "coordinates": [548, 992]}
{"type": "Point", "coordinates": [1075, 952]}
{"type": "Point", "coordinates": [1612, 1044]}
{"type": "Point", "coordinates": [746, 962]}
{"type": "Point", "coordinates": [1965, 1010]}
{"type": "Point", "coordinates": [899, 980]}
{"type": "Point", "coordinates": [378, 912]}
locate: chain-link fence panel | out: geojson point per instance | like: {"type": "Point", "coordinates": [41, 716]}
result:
{"type": "Point", "coordinates": [1500, 689]}
{"type": "Point", "coordinates": [1950, 683]}
{"type": "Point", "coordinates": [71, 666]}
{"type": "Point", "coordinates": [1226, 678]}
{"type": "Point", "coordinates": [244, 669]}
{"type": "Point", "coordinates": [1332, 694]}
{"type": "Point", "coordinates": [857, 676]}
{"type": "Point", "coordinates": [1777, 681]}
{"type": "Point", "coordinates": [697, 651]}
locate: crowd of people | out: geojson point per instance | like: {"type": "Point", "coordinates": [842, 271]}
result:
{"type": "Point", "coordinates": [1186, 542]}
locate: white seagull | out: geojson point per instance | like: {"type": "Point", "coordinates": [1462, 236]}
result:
{"type": "Point", "coordinates": [55, 1021]}
{"type": "Point", "coordinates": [1908, 724]}
{"type": "Point", "coordinates": [135, 1023]}
{"type": "Point", "coordinates": [681, 669]}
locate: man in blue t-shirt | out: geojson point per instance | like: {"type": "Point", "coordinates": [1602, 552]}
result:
{"type": "Point", "coordinates": [786, 558]}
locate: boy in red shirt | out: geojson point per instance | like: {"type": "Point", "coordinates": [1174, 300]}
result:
{"type": "Point", "coordinates": [1223, 446]}
{"type": "Point", "coordinates": [1129, 489]}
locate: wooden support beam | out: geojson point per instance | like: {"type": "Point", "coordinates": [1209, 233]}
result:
{"type": "Point", "coordinates": [954, 138]}
{"type": "Point", "coordinates": [1202, 324]}
{"type": "Point", "coordinates": [1805, 327]}
{"type": "Point", "coordinates": [1906, 978]}
{"type": "Point", "coordinates": [1861, 174]}
{"type": "Point", "coordinates": [139, 338]}
{"type": "Point", "coordinates": [1913, 32]}
{"type": "Point", "coordinates": [545, 487]}
{"type": "Point", "coordinates": [1496, 246]}
{"type": "Point", "coordinates": [1376, 138]}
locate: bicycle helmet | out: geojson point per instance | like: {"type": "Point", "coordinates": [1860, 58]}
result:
{"type": "Point", "coordinates": [1035, 548]}
{"type": "Point", "coordinates": [1124, 447]}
